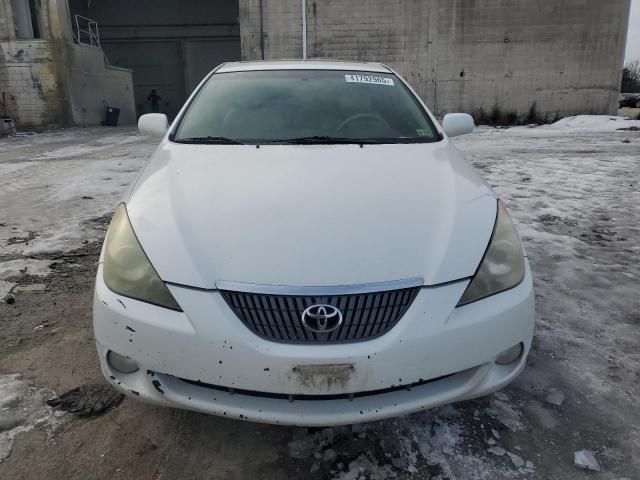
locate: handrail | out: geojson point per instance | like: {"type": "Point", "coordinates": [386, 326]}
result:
{"type": "Point", "coordinates": [89, 33]}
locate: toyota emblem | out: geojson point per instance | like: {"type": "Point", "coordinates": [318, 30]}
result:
{"type": "Point", "coordinates": [322, 318]}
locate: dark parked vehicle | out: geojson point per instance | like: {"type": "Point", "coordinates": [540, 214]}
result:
{"type": "Point", "coordinates": [629, 100]}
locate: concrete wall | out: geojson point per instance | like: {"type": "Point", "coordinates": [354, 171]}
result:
{"type": "Point", "coordinates": [6, 27]}
{"type": "Point", "coordinates": [31, 90]}
{"type": "Point", "coordinates": [52, 81]}
{"type": "Point", "coordinates": [95, 85]}
{"type": "Point", "coordinates": [462, 55]}
{"type": "Point", "coordinates": [170, 46]}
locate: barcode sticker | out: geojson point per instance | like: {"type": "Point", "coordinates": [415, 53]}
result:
{"type": "Point", "coordinates": [369, 79]}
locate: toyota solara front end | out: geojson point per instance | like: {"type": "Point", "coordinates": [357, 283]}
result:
{"type": "Point", "coordinates": [306, 246]}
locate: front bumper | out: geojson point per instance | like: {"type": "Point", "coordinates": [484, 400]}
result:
{"type": "Point", "coordinates": [445, 354]}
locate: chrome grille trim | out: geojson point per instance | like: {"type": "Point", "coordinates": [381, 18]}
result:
{"type": "Point", "coordinates": [279, 317]}
{"type": "Point", "coordinates": [320, 291]}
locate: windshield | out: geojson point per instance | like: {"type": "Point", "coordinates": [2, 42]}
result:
{"type": "Point", "coordinates": [305, 106]}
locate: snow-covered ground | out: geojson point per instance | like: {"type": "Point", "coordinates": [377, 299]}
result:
{"type": "Point", "coordinates": [53, 187]}
{"type": "Point", "coordinates": [571, 187]}
{"type": "Point", "coordinates": [22, 408]}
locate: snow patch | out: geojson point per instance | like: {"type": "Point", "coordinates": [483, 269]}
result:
{"type": "Point", "coordinates": [24, 266]}
{"type": "Point", "coordinates": [56, 183]}
{"type": "Point", "coordinates": [435, 441]}
{"type": "Point", "coordinates": [18, 268]}
{"type": "Point", "coordinates": [364, 467]}
{"type": "Point", "coordinates": [586, 459]}
{"type": "Point", "coordinates": [502, 410]}
{"type": "Point", "coordinates": [579, 124]}
{"type": "Point", "coordinates": [555, 397]}
{"type": "Point", "coordinates": [22, 409]}
{"type": "Point", "coordinates": [5, 288]}
{"type": "Point", "coordinates": [592, 123]}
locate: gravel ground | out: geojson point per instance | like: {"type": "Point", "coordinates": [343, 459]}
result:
{"type": "Point", "coordinates": [572, 188]}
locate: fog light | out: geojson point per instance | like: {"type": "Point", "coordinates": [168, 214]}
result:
{"type": "Point", "coordinates": [121, 363]}
{"type": "Point", "coordinates": [510, 355]}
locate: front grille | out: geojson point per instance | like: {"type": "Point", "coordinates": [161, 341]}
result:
{"type": "Point", "coordinates": [279, 317]}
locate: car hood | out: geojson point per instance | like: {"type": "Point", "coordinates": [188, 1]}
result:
{"type": "Point", "coordinates": [311, 215]}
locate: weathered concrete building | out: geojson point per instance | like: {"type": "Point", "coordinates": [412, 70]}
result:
{"type": "Point", "coordinates": [53, 72]}
{"type": "Point", "coordinates": [462, 55]}
{"type": "Point", "coordinates": [564, 57]}
{"type": "Point", "coordinates": [169, 45]}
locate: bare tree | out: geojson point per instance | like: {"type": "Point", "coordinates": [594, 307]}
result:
{"type": "Point", "coordinates": [631, 78]}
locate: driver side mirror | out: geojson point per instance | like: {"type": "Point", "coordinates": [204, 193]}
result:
{"type": "Point", "coordinates": [455, 124]}
{"type": "Point", "coordinates": [153, 124]}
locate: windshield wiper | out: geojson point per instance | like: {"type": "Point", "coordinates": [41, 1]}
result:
{"type": "Point", "coordinates": [321, 139]}
{"type": "Point", "coordinates": [210, 140]}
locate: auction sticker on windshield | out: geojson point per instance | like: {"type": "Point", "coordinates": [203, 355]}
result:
{"type": "Point", "coordinates": [368, 79]}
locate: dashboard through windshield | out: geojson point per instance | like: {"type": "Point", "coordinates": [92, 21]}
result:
{"type": "Point", "coordinates": [305, 106]}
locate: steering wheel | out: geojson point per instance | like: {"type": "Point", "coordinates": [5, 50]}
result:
{"type": "Point", "coordinates": [361, 116]}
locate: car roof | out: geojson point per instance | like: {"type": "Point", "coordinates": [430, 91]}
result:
{"type": "Point", "coordinates": [302, 65]}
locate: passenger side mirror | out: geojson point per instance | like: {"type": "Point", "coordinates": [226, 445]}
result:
{"type": "Point", "coordinates": [153, 124]}
{"type": "Point", "coordinates": [455, 124]}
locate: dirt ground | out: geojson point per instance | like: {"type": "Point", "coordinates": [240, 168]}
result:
{"type": "Point", "coordinates": [630, 112]}
{"type": "Point", "coordinates": [574, 193]}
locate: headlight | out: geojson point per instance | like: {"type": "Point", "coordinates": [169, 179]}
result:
{"type": "Point", "coordinates": [126, 268]}
{"type": "Point", "coordinates": [503, 264]}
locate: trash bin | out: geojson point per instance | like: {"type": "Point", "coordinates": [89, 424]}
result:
{"type": "Point", "coordinates": [111, 115]}
{"type": "Point", "coordinates": [7, 127]}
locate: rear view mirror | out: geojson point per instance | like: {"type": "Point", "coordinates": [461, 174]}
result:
{"type": "Point", "coordinates": [153, 124]}
{"type": "Point", "coordinates": [455, 124]}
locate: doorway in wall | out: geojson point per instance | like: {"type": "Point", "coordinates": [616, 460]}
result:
{"type": "Point", "coordinates": [26, 18]}
{"type": "Point", "coordinates": [170, 46]}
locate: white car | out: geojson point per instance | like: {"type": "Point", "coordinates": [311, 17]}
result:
{"type": "Point", "coordinates": [306, 246]}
